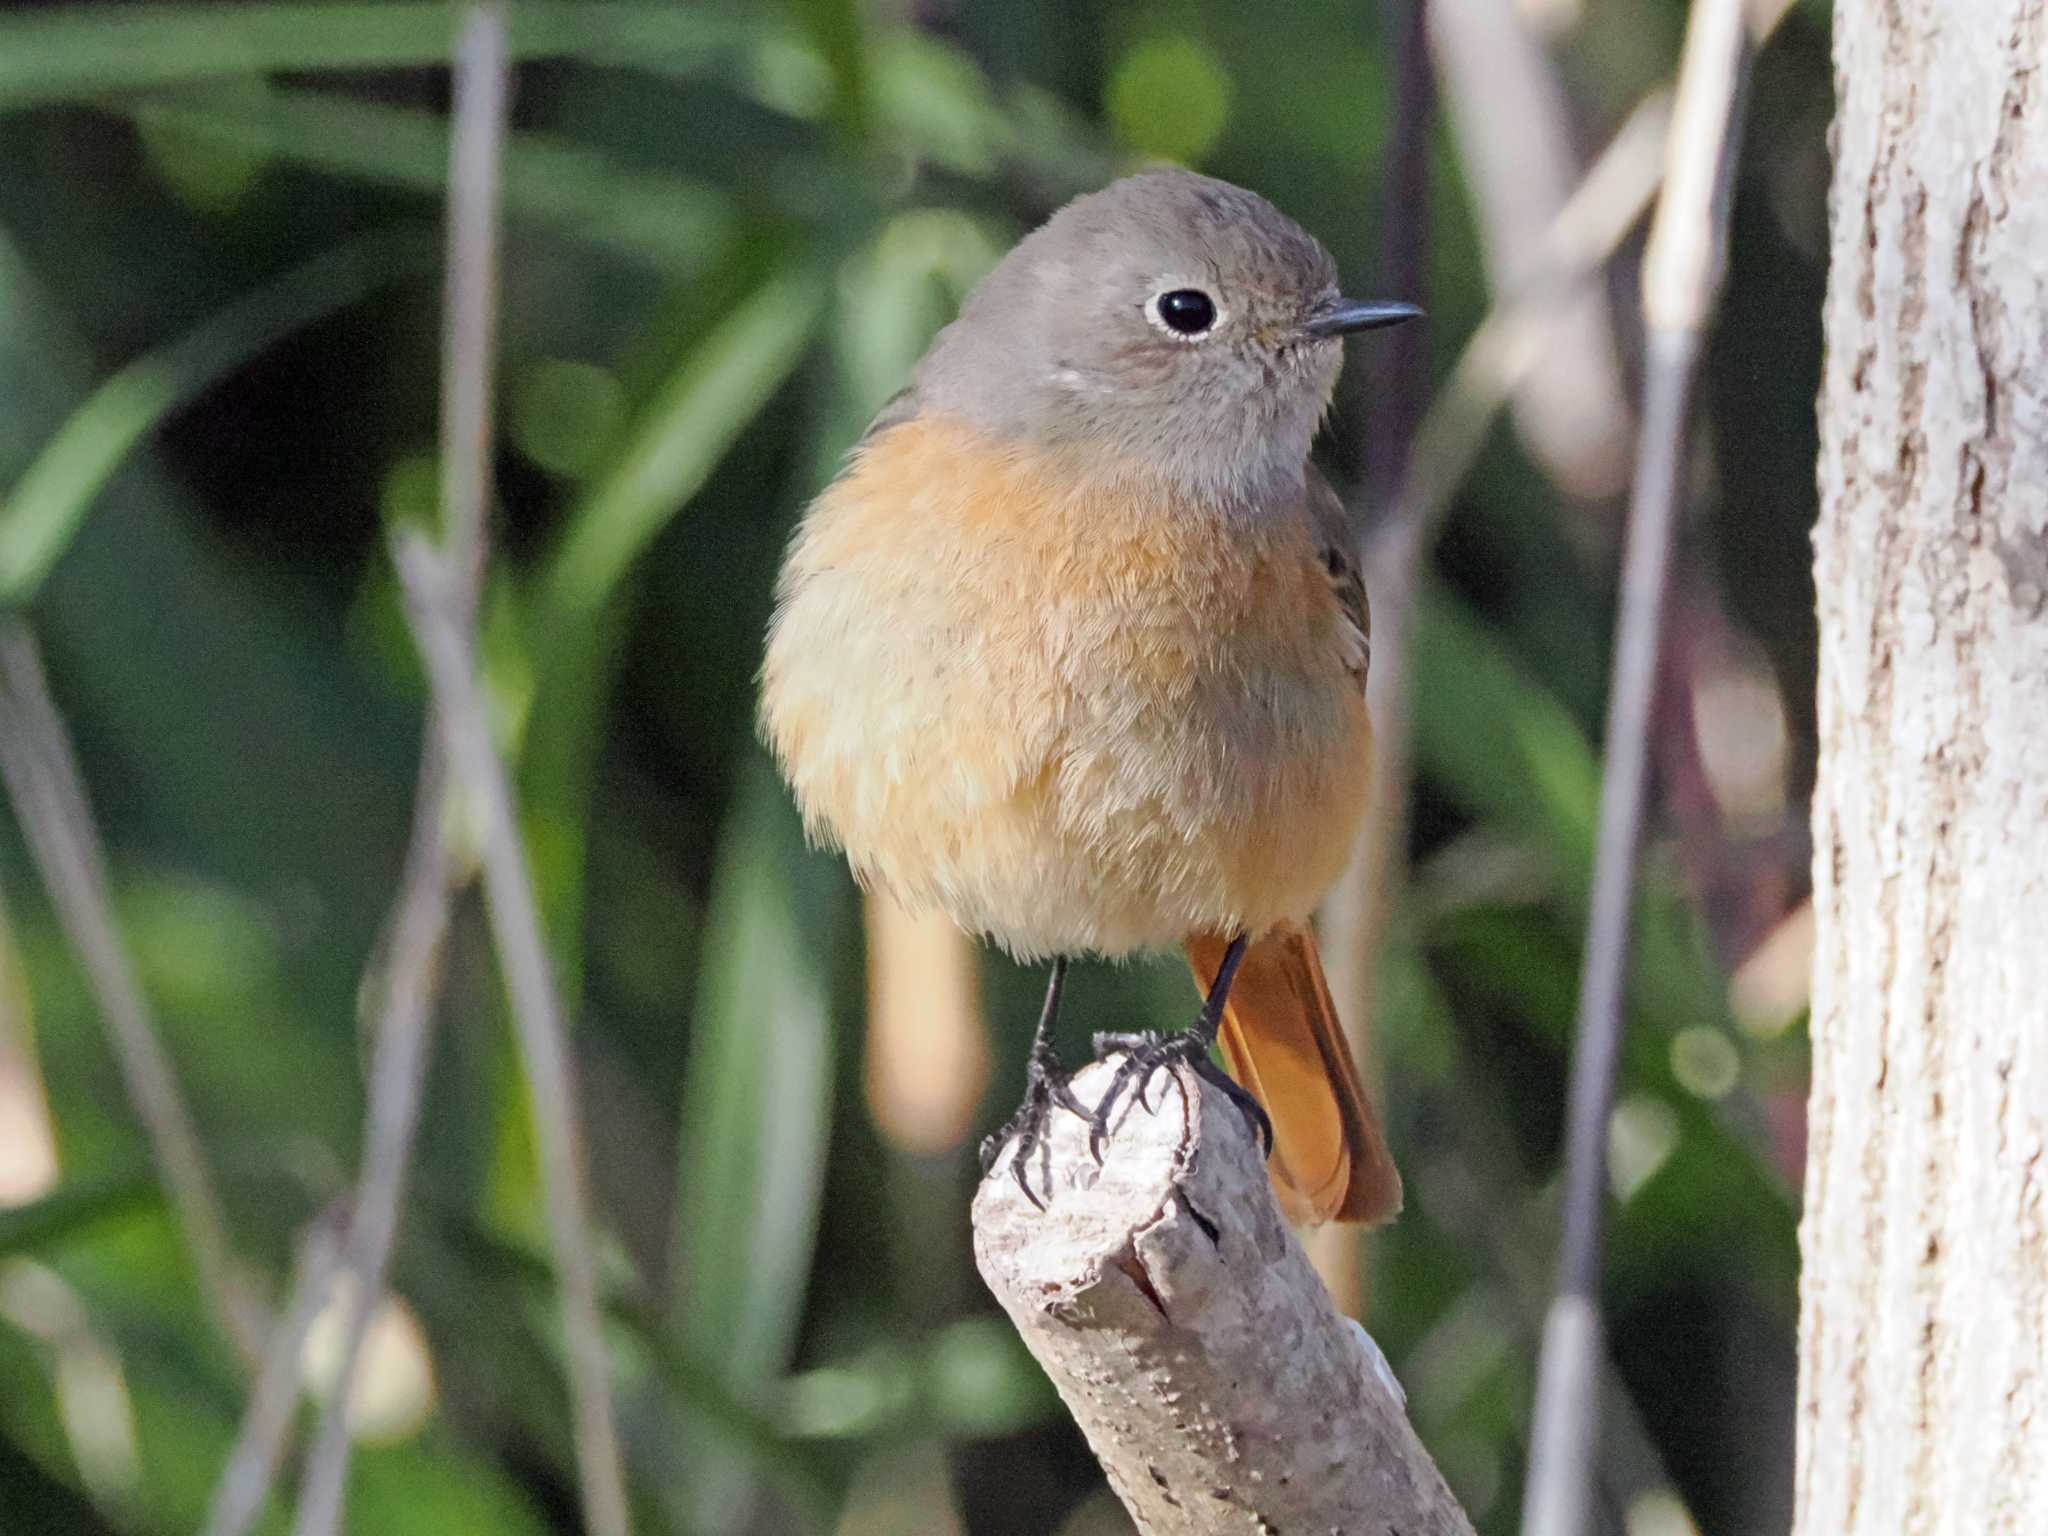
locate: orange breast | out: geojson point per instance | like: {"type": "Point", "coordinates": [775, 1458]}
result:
{"type": "Point", "coordinates": [1076, 713]}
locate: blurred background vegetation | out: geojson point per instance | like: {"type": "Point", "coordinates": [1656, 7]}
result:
{"type": "Point", "coordinates": [730, 229]}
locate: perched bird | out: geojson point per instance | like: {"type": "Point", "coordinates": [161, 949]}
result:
{"type": "Point", "coordinates": [1074, 649]}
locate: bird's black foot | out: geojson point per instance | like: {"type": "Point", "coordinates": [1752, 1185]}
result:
{"type": "Point", "coordinates": [1145, 1054]}
{"type": "Point", "coordinates": [1045, 1088]}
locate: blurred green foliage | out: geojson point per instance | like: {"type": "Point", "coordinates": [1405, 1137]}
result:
{"type": "Point", "coordinates": [731, 228]}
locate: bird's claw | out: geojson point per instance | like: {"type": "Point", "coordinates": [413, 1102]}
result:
{"type": "Point", "coordinates": [1046, 1086]}
{"type": "Point", "coordinates": [1144, 1055]}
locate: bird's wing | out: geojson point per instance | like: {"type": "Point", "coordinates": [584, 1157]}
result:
{"type": "Point", "coordinates": [1332, 524]}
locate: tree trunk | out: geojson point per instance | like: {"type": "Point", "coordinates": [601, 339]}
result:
{"type": "Point", "coordinates": [1923, 1401]}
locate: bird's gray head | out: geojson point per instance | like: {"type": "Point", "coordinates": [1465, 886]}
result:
{"type": "Point", "coordinates": [1170, 324]}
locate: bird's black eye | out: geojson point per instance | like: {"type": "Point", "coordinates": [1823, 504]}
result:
{"type": "Point", "coordinates": [1186, 311]}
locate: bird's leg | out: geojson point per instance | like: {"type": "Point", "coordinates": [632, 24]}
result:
{"type": "Point", "coordinates": [1146, 1053]}
{"type": "Point", "coordinates": [1045, 1085]}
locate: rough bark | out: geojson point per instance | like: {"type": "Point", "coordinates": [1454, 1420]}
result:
{"type": "Point", "coordinates": [1924, 1328]}
{"type": "Point", "coordinates": [1185, 1329]}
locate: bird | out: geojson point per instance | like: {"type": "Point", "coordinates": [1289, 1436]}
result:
{"type": "Point", "coordinates": [1073, 650]}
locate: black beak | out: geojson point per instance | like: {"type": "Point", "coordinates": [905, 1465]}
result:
{"type": "Point", "coordinates": [1340, 317]}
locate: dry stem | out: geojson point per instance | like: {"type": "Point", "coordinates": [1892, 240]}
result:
{"type": "Point", "coordinates": [1187, 1332]}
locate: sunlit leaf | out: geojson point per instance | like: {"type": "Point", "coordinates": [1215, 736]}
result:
{"type": "Point", "coordinates": [838, 30]}
{"type": "Point", "coordinates": [977, 1380]}
{"type": "Point", "coordinates": [563, 413]}
{"type": "Point", "coordinates": [935, 101]}
{"type": "Point", "coordinates": [74, 1210]}
{"type": "Point", "coordinates": [969, 1379]}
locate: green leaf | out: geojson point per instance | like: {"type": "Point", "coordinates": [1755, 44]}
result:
{"type": "Point", "coordinates": [838, 30]}
{"type": "Point", "coordinates": [1169, 97]}
{"type": "Point", "coordinates": [681, 435]}
{"type": "Point", "coordinates": [83, 51]}
{"type": "Point", "coordinates": [971, 1379]}
{"type": "Point", "coordinates": [46, 506]}
{"type": "Point", "coordinates": [73, 1210]}
{"type": "Point", "coordinates": [756, 1116]}
{"type": "Point", "coordinates": [929, 95]}
{"type": "Point", "coordinates": [934, 100]}
{"type": "Point", "coordinates": [662, 220]}
{"type": "Point", "coordinates": [1497, 739]}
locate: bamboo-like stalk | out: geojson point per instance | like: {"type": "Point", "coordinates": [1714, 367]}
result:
{"type": "Point", "coordinates": [407, 982]}
{"type": "Point", "coordinates": [1607, 204]}
{"type": "Point", "coordinates": [1594, 221]}
{"type": "Point", "coordinates": [405, 976]}
{"type": "Point", "coordinates": [48, 793]}
{"type": "Point", "coordinates": [441, 587]}
{"type": "Point", "coordinates": [408, 976]}
{"type": "Point", "coordinates": [1681, 279]}
{"type": "Point", "coordinates": [537, 1012]}
{"type": "Point", "coordinates": [251, 1468]}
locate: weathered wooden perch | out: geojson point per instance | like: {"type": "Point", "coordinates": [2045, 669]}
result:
{"type": "Point", "coordinates": [1184, 1327]}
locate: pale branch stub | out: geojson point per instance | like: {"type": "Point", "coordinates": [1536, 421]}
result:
{"type": "Point", "coordinates": [1189, 1335]}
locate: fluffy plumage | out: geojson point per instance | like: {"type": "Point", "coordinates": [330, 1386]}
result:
{"type": "Point", "coordinates": [1076, 712]}
{"type": "Point", "coordinates": [1074, 650]}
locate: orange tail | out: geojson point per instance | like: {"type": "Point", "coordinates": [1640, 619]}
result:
{"type": "Point", "coordinates": [1282, 1041]}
